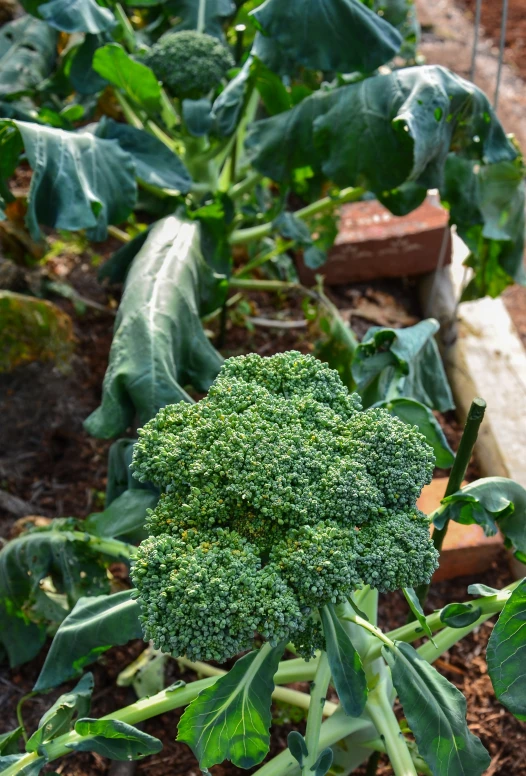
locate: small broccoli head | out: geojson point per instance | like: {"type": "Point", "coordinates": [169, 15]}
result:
{"type": "Point", "coordinates": [293, 497]}
{"type": "Point", "coordinates": [190, 64]}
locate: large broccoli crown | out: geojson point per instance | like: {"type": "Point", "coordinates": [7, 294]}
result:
{"type": "Point", "coordinates": [292, 493]}
{"type": "Point", "coordinates": [189, 63]}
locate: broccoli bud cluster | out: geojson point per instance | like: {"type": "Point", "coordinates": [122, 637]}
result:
{"type": "Point", "coordinates": [190, 64]}
{"type": "Point", "coordinates": [279, 495]}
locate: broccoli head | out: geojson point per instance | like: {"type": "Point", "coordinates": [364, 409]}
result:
{"type": "Point", "coordinates": [279, 495]}
{"type": "Point", "coordinates": [190, 64]}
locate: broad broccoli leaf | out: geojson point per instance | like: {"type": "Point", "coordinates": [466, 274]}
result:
{"type": "Point", "coordinates": [24, 563]}
{"type": "Point", "coordinates": [329, 35]}
{"type": "Point", "coordinates": [382, 133]}
{"type": "Point", "coordinates": [84, 79]}
{"type": "Point", "coordinates": [239, 701]}
{"type": "Point", "coordinates": [346, 667]}
{"type": "Point", "coordinates": [159, 344]}
{"type": "Point", "coordinates": [114, 739]}
{"type": "Point", "coordinates": [187, 13]}
{"type": "Point", "coordinates": [506, 654]}
{"type": "Point", "coordinates": [94, 625]}
{"type": "Point", "coordinates": [125, 516]}
{"type": "Point", "coordinates": [72, 15]}
{"type": "Point", "coordinates": [494, 503]}
{"type": "Point", "coordinates": [436, 713]}
{"type": "Point", "coordinates": [134, 78]}
{"type": "Point", "coordinates": [9, 742]}
{"type": "Point", "coordinates": [417, 414]}
{"type": "Point", "coordinates": [396, 363]}
{"type": "Point", "coordinates": [487, 204]}
{"type": "Point", "coordinates": [28, 50]}
{"type": "Point", "coordinates": [155, 163]}
{"type": "Point", "coordinates": [59, 718]}
{"type": "Point", "coordinates": [79, 181]}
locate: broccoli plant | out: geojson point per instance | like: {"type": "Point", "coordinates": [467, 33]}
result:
{"type": "Point", "coordinates": [240, 127]}
{"type": "Point", "coordinates": [284, 509]}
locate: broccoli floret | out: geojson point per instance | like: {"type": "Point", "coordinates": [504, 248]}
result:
{"type": "Point", "coordinates": [190, 64]}
{"type": "Point", "coordinates": [280, 495]}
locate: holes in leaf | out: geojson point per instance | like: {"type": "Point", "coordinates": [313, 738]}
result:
{"type": "Point", "coordinates": [438, 113]}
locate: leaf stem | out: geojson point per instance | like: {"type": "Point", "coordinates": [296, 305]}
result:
{"type": "Point", "coordinates": [245, 185]}
{"type": "Point", "coordinates": [317, 702]}
{"type": "Point", "coordinates": [253, 233]}
{"type": "Point", "coordinates": [112, 547]}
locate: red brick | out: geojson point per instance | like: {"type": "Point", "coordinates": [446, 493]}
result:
{"type": "Point", "coordinates": [373, 243]}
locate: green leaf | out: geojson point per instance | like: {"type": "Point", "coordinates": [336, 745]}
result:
{"type": "Point", "coordinates": [381, 132]}
{"type": "Point", "coordinates": [460, 615]}
{"type": "Point", "coordinates": [73, 15]}
{"type": "Point", "coordinates": [489, 502]}
{"type": "Point", "coordinates": [84, 79]}
{"type": "Point", "coordinates": [506, 654]}
{"type": "Point", "coordinates": [28, 50]}
{"type": "Point", "coordinates": [436, 713]}
{"type": "Point", "coordinates": [125, 516]}
{"type": "Point", "coordinates": [416, 414]}
{"type": "Point", "coordinates": [402, 15]}
{"type": "Point", "coordinates": [346, 667]}
{"type": "Point", "coordinates": [24, 563]}
{"type": "Point", "coordinates": [323, 763]}
{"type": "Point", "coordinates": [9, 741]}
{"type": "Point", "coordinates": [59, 718]}
{"type": "Point", "coordinates": [482, 590]}
{"type": "Point", "coordinates": [415, 606]}
{"type": "Point", "coordinates": [297, 746]}
{"type": "Point", "coordinates": [79, 181]}
{"type": "Point", "coordinates": [120, 478]}
{"type": "Point", "coordinates": [396, 363]}
{"type": "Point", "coordinates": [155, 163]}
{"type": "Point", "coordinates": [159, 344]}
{"type": "Point", "coordinates": [216, 13]}
{"type": "Point", "coordinates": [114, 739]}
{"type": "Point", "coordinates": [486, 203]}
{"type": "Point", "coordinates": [197, 116]}
{"type": "Point", "coordinates": [94, 625]}
{"type": "Point", "coordinates": [227, 107]}
{"type": "Point", "coordinates": [33, 330]}
{"type": "Point", "coordinates": [135, 79]}
{"type": "Point", "coordinates": [328, 35]}
{"type": "Point", "coordinates": [230, 720]}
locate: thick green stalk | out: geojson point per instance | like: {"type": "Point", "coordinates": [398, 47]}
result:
{"type": "Point", "coordinates": [258, 261]}
{"type": "Point", "coordinates": [128, 33]}
{"type": "Point", "coordinates": [351, 194]}
{"type": "Point", "coordinates": [458, 471]}
{"type": "Point", "coordinates": [318, 692]}
{"type": "Point", "coordinates": [380, 709]}
{"type": "Point", "coordinates": [246, 185]}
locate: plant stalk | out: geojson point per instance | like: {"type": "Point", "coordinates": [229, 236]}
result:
{"type": "Point", "coordinates": [380, 708]}
{"type": "Point", "coordinates": [456, 477]}
{"type": "Point", "coordinates": [253, 233]}
{"type": "Point", "coordinates": [317, 702]}
{"type": "Point", "coordinates": [112, 547]}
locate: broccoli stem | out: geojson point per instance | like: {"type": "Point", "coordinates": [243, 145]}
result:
{"type": "Point", "coordinates": [253, 233]}
{"type": "Point", "coordinates": [380, 709]}
{"type": "Point", "coordinates": [458, 471]}
{"type": "Point", "coordinates": [317, 703]}
{"type": "Point", "coordinates": [245, 185]}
